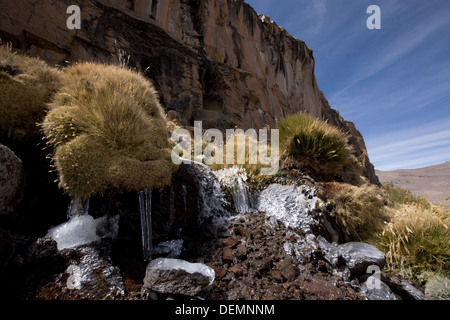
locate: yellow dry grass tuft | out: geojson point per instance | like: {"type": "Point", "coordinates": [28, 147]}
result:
{"type": "Point", "coordinates": [26, 86]}
{"type": "Point", "coordinates": [416, 239]}
{"type": "Point", "coordinates": [358, 211]}
{"type": "Point", "coordinates": [109, 131]}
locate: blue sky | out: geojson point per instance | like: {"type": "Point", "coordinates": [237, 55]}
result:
{"type": "Point", "coordinates": [393, 83]}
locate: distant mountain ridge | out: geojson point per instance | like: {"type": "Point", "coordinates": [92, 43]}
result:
{"type": "Point", "coordinates": [433, 180]}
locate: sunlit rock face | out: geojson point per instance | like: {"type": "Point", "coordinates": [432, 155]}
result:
{"type": "Point", "coordinates": [217, 61]}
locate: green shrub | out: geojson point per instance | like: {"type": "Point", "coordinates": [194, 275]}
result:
{"type": "Point", "coordinates": [315, 146]}
{"type": "Point", "coordinates": [109, 131]}
{"type": "Point", "coordinates": [26, 86]}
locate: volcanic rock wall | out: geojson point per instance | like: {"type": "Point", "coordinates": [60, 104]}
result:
{"type": "Point", "coordinates": [212, 60]}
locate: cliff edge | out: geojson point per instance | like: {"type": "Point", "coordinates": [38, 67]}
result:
{"type": "Point", "coordinates": [217, 61]}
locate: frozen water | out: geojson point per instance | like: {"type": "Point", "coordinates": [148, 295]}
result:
{"type": "Point", "coordinates": [77, 207]}
{"type": "Point", "coordinates": [290, 205]}
{"type": "Point", "coordinates": [170, 248]}
{"type": "Point", "coordinates": [234, 178]}
{"type": "Point", "coordinates": [145, 207]}
{"type": "Point", "coordinates": [177, 264]}
{"type": "Point", "coordinates": [77, 231]}
{"type": "Point", "coordinates": [211, 200]}
{"type": "Point", "coordinates": [94, 276]}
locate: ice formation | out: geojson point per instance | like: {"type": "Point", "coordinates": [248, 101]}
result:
{"type": "Point", "coordinates": [77, 207]}
{"type": "Point", "coordinates": [80, 230]}
{"type": "Point", "coordinates": [235, 179]}
{"type": "Point", "coordinates": [145, 206]}
{"type": "Point", "coordinates": [172, 248]}
{"type": "Point", "coordinates": [177, 264]}
{"type": "Point", "coordinates": [290, 205]}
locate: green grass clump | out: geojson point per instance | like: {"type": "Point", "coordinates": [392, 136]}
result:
{"type": "Point", "coordinates": [109, 131]}
{"type": "Point", "coordinates": [315, 146]}
{"type": "Point", "coordinates": [26, 86]}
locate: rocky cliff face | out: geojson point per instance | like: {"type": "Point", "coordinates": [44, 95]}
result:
{"type": "Point", "coordinates": [215, 60]}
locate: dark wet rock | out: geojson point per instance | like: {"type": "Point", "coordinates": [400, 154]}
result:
{"type": "Point", "coordinates": [378, 292]}
{"type": "Point", "coordinates": [88, 274]}
{"type": "Point", "coordinates": [175, 276]}
{"type": "Point", "coordinates": [403, 288]}
{"type": "Point", "coordinates": [358, 256]}
{"type": "Point", "coordinates": [40, 249]}
{"type": "Point", "coordinates": [12, 179]}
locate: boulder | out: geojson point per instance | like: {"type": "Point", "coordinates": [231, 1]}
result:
{"type": "Point", "coordinates": [175, 276]}
{"type": "Point", "coordinates": [358, 256]}
{"type": "Point", "coordinates": [382, 292]}
{"type": "Point", "coordinates": [12, 177]}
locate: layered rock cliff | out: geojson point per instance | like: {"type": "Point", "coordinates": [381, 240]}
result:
{"type": "Point", "coordinates": [216, 60]}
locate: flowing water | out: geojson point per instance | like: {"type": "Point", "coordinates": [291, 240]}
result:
{"type": "Point", "coordinates": [235, 179]}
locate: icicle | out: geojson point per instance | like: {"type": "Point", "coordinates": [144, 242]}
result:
{"type": "Point", "coordinates": [145, 205]}
{"type": "Point", "coordinates": [184, 193]}
{"type": "Point", "coordinates": [77, 207]}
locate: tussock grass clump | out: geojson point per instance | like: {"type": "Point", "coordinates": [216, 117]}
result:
{"type": "Point", "coordinates": [416, 239]}
{"type": "Point", "coordinates": [358, 211]}
{"type": "Point", "coordinates": [246, 157]}
{"type": "Point", "coordinates": [316, 147]}
{"type": "Point", "coordinates": [26, 86]}
{"type": "Point", "coordinates": [109, 131]}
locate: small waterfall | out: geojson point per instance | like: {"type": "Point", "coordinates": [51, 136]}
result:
{"type": "Point", "coordinates": [77, 207]}
{"type": "Point", "coordinates": [235, 179]}
{"type": "Point", "coordinates": [145, 206]}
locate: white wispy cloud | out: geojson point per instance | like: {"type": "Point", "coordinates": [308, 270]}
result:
{"type": "Point", "coordinates": [397, 49]}
{"type": "Point", "coordinates": [411, 148]}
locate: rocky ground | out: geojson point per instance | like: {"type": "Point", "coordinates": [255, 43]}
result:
{"type": "Point", "coordinates": [280, 249]}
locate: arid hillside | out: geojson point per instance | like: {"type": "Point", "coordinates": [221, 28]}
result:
{"type": "Point", "coordinates": [433, 181]}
